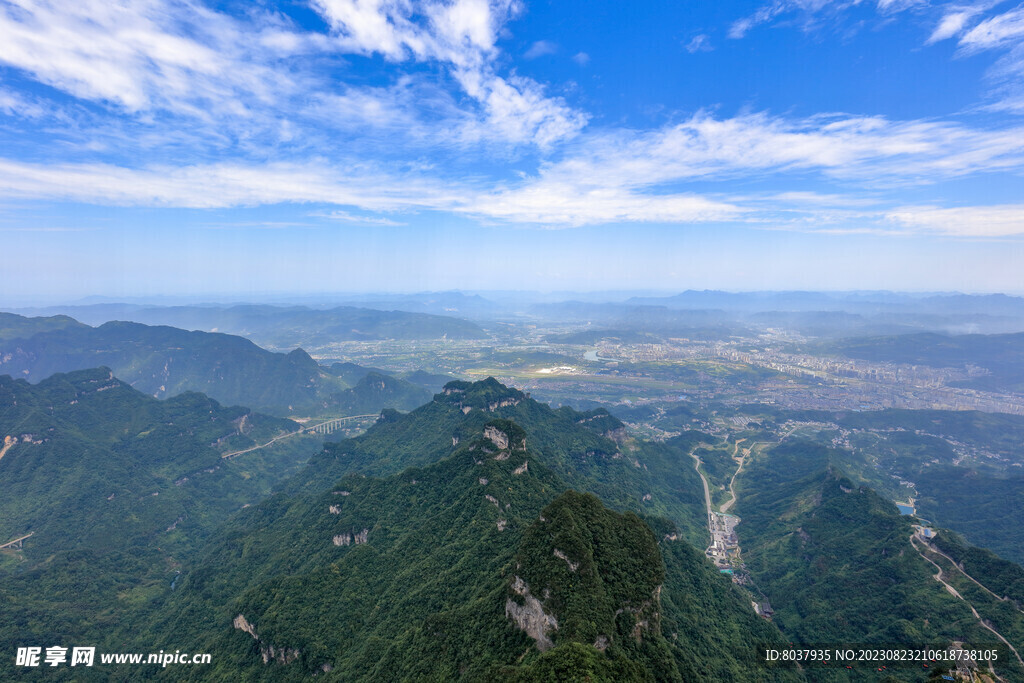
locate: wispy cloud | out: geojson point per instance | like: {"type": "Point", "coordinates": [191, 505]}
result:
{"type": "Point", "coordinates": [226, 185]}
{"type": "Point", "coordinates": [144, 54]}
{"type": "Point", "coordinates": [13, 104]}
{"type": "Point", "coordinates": [541, 48]}
{"type": "Point", "coordinates": [352, 219]}
{"type": "Point", "coordinates": [699, 43]}
{"type": "Point", "coordinates": [997, 31]}
{"type": "Point", "coordinates": [581, 58]}
{"type": "Point", "coordinates": [462, 35]}
{"type": "Point", "coordinates": [613, 176]}
{"type": "Point", "coordinates": [951, 24]}
{"type": "Point", "coordinates": [1002, 220]}
{"type": "Point", "coordinates": [809, 14]}
{"type": "Point", "coordinates": [248, 80]}
{"type": "Point", "coordinates": [1001, 32]}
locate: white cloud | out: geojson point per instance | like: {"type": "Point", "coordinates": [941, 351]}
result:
{"type": "Point", "coordinates": [246, 84]}
{"type": "Point", "coordinates": [581, 58]}
{"type": "Point", "coordinates": [614, 176]}
{"type": "Point", "coordinates": [700, 43]}
{"type": "Point", "coordinates": [899, 5]}
{"type": "Point", "coordinates": [352, 219]}
{"type": "Point", "coordinates": [865, 149]}
{"type": "Point", "coordinates": [1002, 220]}
{"type": "Point", "coordinates": [517, 110]}
{"type": "Point", "coordinates": [809, 12]}
{"type": "Point", "coordinates": [138, 54]}
{"type": "Point", "coordinates": [996, 31]}
{"type": "Point", "coordinates": [462, 34]}
{"type": "Point", "coordinates": [574, 204]}
{"type": "Point", "coordinates": [226, 185]}
{"type": "Point", "coordinates": [950, 25]}
{"type": "Point", "coordinates": [13, 104]}
{"type": "Point", "coordinates": [541, 48]}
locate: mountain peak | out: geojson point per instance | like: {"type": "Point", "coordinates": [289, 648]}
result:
{"type": "Point", "coordinates": [487, 394]}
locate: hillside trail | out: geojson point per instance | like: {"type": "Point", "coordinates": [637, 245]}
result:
{"type": "Point", "coordinates": [954, 592]}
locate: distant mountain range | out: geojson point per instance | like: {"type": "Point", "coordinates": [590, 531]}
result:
{"type": "Point", "coordinates": [165, 361]}
{"type": "Point", "coordinates": [282, 327]}
{"type": "Point", "coordinates": [718, 315]}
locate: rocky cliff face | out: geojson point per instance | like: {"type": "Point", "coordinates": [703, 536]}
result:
{"type": "Point", "coordinates": [530, 615]}
{"type": "Point", "coordinates": [268, 651]}
{"type": "Point", "coordinates": [567, 557]}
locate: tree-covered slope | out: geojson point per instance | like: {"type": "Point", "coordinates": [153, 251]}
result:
{"type": "Point", "coordinates": [835, 559]}
{"type": "Point", "coordinates": [479, 566]}
{"type": "Point", "coordinates": [19, 327]}
{"type": "Point", "coordinates": [589, 450]}
{"type": "Point", "coordinates": [374, 391]}
{"type": "Point", "coordinates": [87, 443]}
{"type": "Point", "coordinates": [116, 488]}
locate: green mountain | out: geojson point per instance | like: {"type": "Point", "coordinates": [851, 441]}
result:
{"type": "Point", "coordinates": [479, 563]}
{"type": "Point", "coordinates": [589, 450]}
{"type": "Point", "coordinates": [165, 361]}
{"type": "Point", "coordinates": [285, 327]}
{"type": "Point", "coordinates": [835, 559]}
{"type": "Point", "coordinates": [18, 327]}
{"type": "Point", "coordinates": [113, 489]}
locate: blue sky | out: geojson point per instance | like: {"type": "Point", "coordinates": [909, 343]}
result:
{"type": "Point", "coordinates": [242, 148]}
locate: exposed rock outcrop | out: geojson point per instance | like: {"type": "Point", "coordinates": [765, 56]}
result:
{"type": "Point", "coordinates": [573, 566]}
{"type": "Point", "coordinates": [242, 624]}
{"type": "Point", "coordinates": [494, 405]}
{"type": "Point", "coordinates": [269, 652]}
{"type": "Point", "coordinates": [530, 617]}
{"type": "Point", "coordinates": [357, 537]}
{"type": "Point", "coordinates": [497, 437]}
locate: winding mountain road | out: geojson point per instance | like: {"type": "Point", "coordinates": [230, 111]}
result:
{"type": "Point", "coordinates": [954, 592]}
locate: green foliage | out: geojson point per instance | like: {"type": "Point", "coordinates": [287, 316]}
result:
{"type": "Point", "coordinates": [594, 565]}
{"type": "Point", "coordinates": [579, 447]}
{"type": "Point", "coordinates": [407, 577]}
{"type": "Point", "coordinates": [575, 662]}
{"type": "Point", "coordinates": [374, 391]}
{"type": "Point", "coordinates": [835, 560]}
{"type": "Point", "coordinates": [1004, 578]}
{"type": "Point", "coordinates": [116, 488]}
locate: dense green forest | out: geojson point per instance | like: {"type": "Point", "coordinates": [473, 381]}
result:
{"type": "Point", "coordinates": [589, 450]}
{"type": "Point", "coordinates": [426, 573]}
{"type": "Point", "coordinates": [482, 536]}
{"type": "Point", "coordinates": [117, 489]}
{"type": "Point", "coordinates": [835, 559]}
